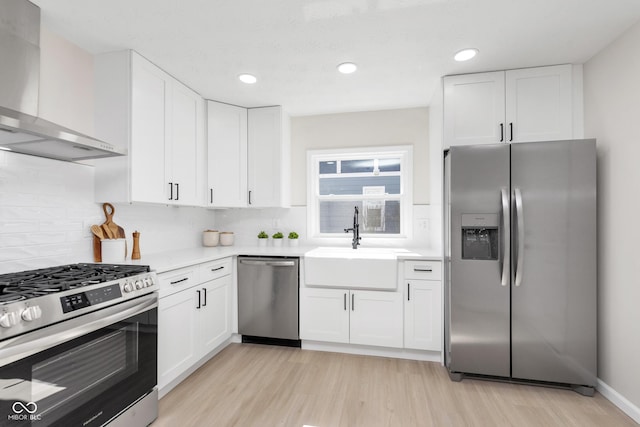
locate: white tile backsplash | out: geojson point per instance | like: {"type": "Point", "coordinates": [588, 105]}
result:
{"type": "Point", "coordinates": [47, 208]}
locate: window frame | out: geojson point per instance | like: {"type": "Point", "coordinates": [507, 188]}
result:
{"type": "Point", "coordinates": [405, 197]}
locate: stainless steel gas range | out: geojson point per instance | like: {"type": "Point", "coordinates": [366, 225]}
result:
{"type": "Point", "coordinates": [78, 346]}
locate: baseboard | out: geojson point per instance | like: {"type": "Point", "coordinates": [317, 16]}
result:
{"type": "Point", "coordinates": [619, 400]}
{"type": "Point", "coordinates": [363, 350]}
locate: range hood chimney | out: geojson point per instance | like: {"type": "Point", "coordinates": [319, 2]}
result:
{"type": "Point", "coordinates": [21, 130]}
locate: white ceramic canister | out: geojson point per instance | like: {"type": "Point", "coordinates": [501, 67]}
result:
{"type": "Point", "coordinates": [210, 237]}
{"type": "Point", "coordinates": [226, 238]}
{"type": "Point", "coordinates": [114, 250]}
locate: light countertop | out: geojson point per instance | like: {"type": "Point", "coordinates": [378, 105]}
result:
{"type": "Point", "coordinates": [166, 261]}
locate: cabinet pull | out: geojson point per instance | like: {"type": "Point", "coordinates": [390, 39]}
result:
{"type": "Point", "coordinates": [424, 270]}
{"type": "Point", "coordinates": [353, 304]}
{"type": "Point", "coordinates": [249, 196]}
{"type": "Point", "coordinates": [216, 269]}
{"type": "Point", "coordinates": [177, 191]}
{"type": "Point", "coordinates": [171, 191]}
{"type": "Point", "coordinates": [510, 131]}
{"type": "Point", "coordinates": [204, 292]}
{"type": "Point", "coordinates": [178, 281]}
{"type": "Point", "coordinates": [211, 195]}
{"type": "Point", "coordinates": [345, 301]}
{"type": "Point", "coordinates": [501, 132]}
{"type": "Point", "coordinates": [408, 291]}
{"type": "Point", "coordinates": [198, 300]}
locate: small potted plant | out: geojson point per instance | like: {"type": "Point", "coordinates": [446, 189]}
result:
{"type": "Point", "coordinates": [262, 239]}
{"type": "Point", "coordinates": [293, 238]}
{"type": "Point", "coordinates": [277, 239]}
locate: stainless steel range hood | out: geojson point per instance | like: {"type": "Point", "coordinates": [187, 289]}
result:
{"type": "Point", "coordinates": [21, 130]}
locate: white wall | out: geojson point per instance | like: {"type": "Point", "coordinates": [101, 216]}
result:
{"type": "Point", "coordinates": [363, 129]}
{"type": "Point", "coordinates": [612, 112]}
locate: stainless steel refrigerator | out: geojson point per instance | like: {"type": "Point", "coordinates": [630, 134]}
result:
{"type": "Point", "coordinates": [520, 262]}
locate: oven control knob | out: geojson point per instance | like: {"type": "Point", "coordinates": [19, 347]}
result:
{"type": "Point", "coordinates": [128, 287]}
{"type": "Point", "coordinates": [139, 284]}
{"type": "Point", "coordinates": [7, 320]}
{"type": "Point", "coordinates": [32, 313]}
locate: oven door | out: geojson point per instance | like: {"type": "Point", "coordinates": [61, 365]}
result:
{"type": "Point", "coordinates": [83, 371]}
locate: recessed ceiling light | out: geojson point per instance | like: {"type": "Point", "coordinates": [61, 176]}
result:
{"type": "Point", "coordinates": [247, 78]}
{"type": "Point", "coordinates": [347, 67]}
{"type": "Point", "coordinates": [465, 54]}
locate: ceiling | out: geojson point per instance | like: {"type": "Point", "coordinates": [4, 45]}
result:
{"type": "Point", "coordinates": [402, 47]}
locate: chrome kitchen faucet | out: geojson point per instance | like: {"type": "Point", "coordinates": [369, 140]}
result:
{"type": "Point", "coordinates": [356, 230]}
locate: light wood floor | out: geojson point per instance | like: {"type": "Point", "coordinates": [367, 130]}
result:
{"type": "Point", "coordinates": [253, 385]}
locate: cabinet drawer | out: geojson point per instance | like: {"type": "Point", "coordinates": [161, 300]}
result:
{"type": "Point", "coordinates": [215, 269]}
{"type": "Point", "coordinates": [176, 280]}
{"type": "Point", "coordinates": [423, 270]}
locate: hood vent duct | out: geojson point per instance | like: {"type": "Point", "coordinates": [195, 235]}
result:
{"type": "Point", "coordinates": [21, 130]}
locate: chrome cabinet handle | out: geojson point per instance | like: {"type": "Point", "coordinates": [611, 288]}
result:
{"type": "Point", "coordinates": [217, 269]}
{"type": "Point", "coordinates": [510, 131]}
{"type": "Point", "coordinates": [423, 270]}
{"type": "Point", "coordinates": [408, 291]}
{"type": "Point", "coordinates": [171, 191]}
{"type": "Point", "coordinates": [211, 195]}
{"type": "Point", "coordinates": [520, 222]}
{"type": "Point", "coordinates": [345, 301]}
{"type": "Point", "coordinates": [249, 196]}
{"type": "Point", "coordinates": [506, 236]}
{"type": "Point", "coordinates": [353, 304]}
{"type": "Point", "coordinates": [199, 303]}
{"type": "Point", "coordinates": [42, 339]}
{"type": "Point", "coordinates": [177, 191]}
{"type": "Point", "coordinates": [501, 132]}
{"type": "Point", "coordinates": [178, 281]}
{"type": "Point", "coordinates": [204, 292]}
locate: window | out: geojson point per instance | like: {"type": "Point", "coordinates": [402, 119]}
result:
{"type": "Point", "coordinates": [375, 180]}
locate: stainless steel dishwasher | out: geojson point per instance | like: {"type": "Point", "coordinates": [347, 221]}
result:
{"type": "Point", "coordinates": [268, 300]}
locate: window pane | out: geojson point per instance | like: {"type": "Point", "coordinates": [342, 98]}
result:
{"type": "Point", "coordinates": [357, 166]}
{"type": "Point", "coordinates": [328, 167]}
{"type": "Point", "coordinates": [389, 165]}
{"type": "Point", "coordinates": [358, 185]}
{"type": "Point", "coordinates": [376, 217]}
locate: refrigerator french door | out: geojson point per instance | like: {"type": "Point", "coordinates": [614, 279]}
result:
{"type": "Point", "coordinates": [520, 262]}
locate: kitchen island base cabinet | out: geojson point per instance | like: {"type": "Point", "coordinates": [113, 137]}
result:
{"type": "Point", "coordinates": [191, 324]}
{"type": "Point", "coordinates": [355, 317]}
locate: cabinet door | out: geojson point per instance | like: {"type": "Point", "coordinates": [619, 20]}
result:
{"type": "Point", "coordinates": [539, 104]}
{"type": "Point", "coordinates": [215, 313]}
{"type": "Point", "coordinates": [177, 335]}
{"type": "Point", "coordinates": [149, 93]}
{"type": "Point", "coordinates": [227, 155]}
{"type": "Point", "coordinates": [324, 315]}
{"type": "Point", "coordinates": [423, 315]}
{"type": "Point", "coordinates": [185, 137]}
{"type": "Point", "coordinates": [474, 109]}
{"type": "Point", "coordinates": [266, 151]}
{"type": "Point", "coordinates": [376, 318]}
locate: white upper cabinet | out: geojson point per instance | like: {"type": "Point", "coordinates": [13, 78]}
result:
{"type": "Point", "coordinates": [160, 121]}
{"type": "Point", "coordinates": [227, 155]}
{"type": "Point", "coordinates": [531, 104]}
{"type": "Point", "coordinates": [474, 109]}
{"type": "Point", "coordinates": [268, 158]}
{"type": "Point", "coordinates": [539, 104]}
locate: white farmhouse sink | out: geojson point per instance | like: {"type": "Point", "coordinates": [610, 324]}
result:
{"type": "Point", "coordinates": [363, 268]}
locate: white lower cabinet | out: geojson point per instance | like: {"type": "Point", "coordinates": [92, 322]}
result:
{"type": "Point", "coordinates": [422, 314]}
{"type": "Point", "coordinates": [349, 316]}
{"type": "Point", "coordinates": [192, 322]}
{"type": "Point", "coordinates": [422, 287]}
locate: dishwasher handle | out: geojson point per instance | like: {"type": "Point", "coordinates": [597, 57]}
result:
{"type": "Point", "coordinates": [268, 263]}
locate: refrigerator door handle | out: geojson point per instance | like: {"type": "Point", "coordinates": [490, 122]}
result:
{"type": "Point", "coordinates": [506, 256]}
{"type": "Point", "coordinates": [520, 223]}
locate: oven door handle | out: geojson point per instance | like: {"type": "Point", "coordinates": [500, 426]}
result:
{"type": "Point", "coordinates": [34, 342]}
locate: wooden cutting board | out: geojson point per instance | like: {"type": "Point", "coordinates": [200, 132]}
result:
{"type": "Point", "coordinates": [112, 230]}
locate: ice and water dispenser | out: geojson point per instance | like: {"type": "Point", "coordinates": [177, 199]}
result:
{"type": "Point", "coordinates": [480, 236]}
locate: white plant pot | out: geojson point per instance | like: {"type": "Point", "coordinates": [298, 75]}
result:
{"type": "Point", "coordinates": [293, 243]}
{"type": "Point", "coordinates": [277, 243]}
{"type": "Point", "coordinates": [262, 243]}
